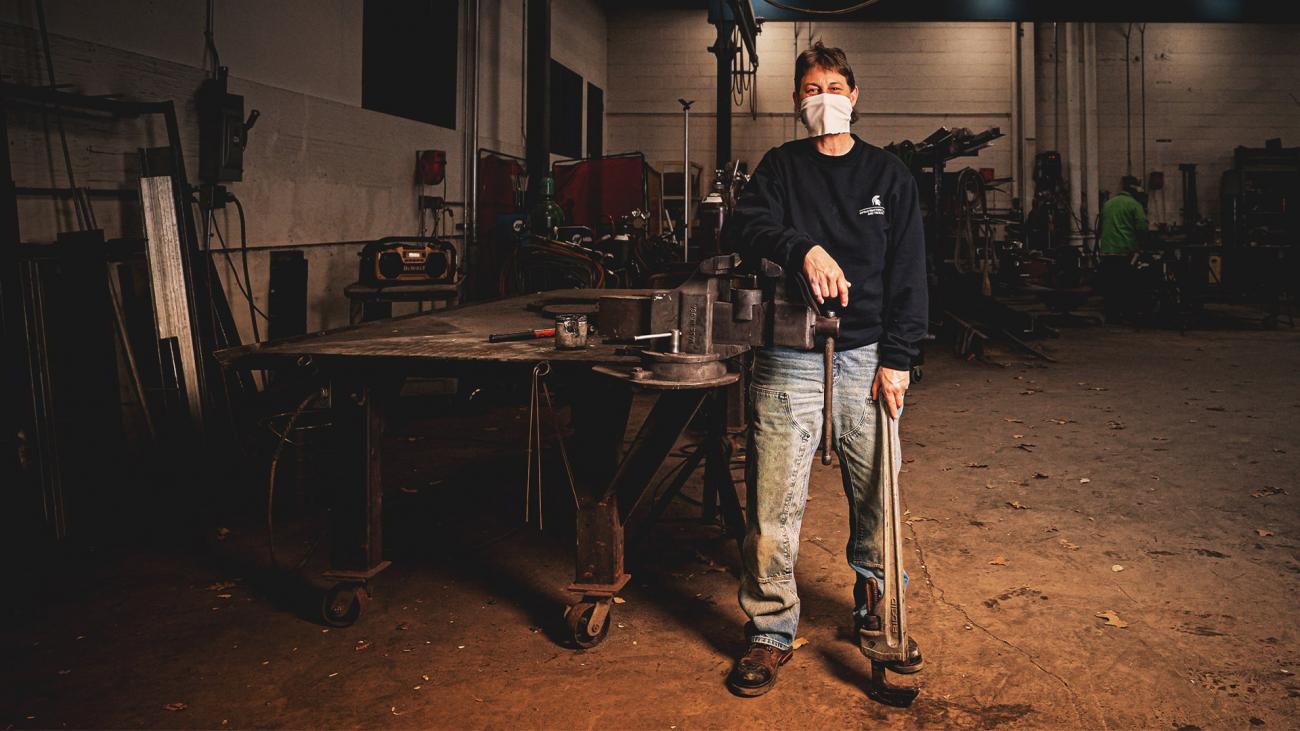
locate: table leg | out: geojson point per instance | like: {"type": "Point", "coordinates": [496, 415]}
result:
{"type": "Point", "coordinates": [356, 556]}
{"type": "Point", "coordinates": [604, 505]}
{"type": "Point", "coordinates": [719, 487]}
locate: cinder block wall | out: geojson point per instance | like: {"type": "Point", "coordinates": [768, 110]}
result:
{"type": "Point", "coordinates": [1209, 88]}
{"type": "Point", "coordinates": [913, 77]}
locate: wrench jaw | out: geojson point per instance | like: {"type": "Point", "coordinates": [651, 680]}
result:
{"type": "Point", "coordinates": [880, 690]}
{"type": "Point", "coordinates": [887, 646]}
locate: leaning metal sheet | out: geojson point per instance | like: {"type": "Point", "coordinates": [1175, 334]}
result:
{"type": "Point", "coordinates": [455, 334]}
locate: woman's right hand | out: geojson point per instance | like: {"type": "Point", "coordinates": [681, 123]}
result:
{"type": "Point", "coordinates": [825, 277]}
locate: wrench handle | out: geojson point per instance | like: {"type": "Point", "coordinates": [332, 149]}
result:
{"type": "Point", "coordinates": [828, 357]}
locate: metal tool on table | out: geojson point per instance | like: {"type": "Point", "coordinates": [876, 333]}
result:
{"type": "Point", "coordinates": [545, 332]}
{"type": "Point", "coordinates": [888, 647]}
{"type": "Point", "coordinates": [571, 332]}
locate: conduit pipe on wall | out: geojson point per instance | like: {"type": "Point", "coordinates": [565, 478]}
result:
{"type": "Point", "coordinates": [1029, 112]}
{"type": "Point", "coordinates": [1017, 111]}
{"type": "Point", "coordinates": [471, 129]}
{"type": "Point", "coordinates": [1090, 123]}
{"type": "Point", "coordinates": [1074, 134]}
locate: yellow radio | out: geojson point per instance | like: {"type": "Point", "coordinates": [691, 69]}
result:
{"type": "Point", "coordinates": [397, 259]}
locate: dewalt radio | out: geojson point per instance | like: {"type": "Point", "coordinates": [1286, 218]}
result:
{"type": "Point", "coordinates": [409, 260]}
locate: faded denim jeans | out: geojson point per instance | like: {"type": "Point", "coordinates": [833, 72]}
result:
{"type": "Point", "coordinates": [787, 394]}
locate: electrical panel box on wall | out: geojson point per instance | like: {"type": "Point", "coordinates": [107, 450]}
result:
{"type": "Point", "coordinates": [223, 133]}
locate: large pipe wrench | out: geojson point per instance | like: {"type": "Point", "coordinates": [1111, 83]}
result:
{"type": "Point", "coordinates": [887, 647]}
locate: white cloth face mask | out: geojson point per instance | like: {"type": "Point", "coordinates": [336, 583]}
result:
{"type": "Point", "coordinates": [826, 114]}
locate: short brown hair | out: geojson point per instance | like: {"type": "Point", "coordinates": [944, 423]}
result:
{"type": "Point", "coordinates": [831, 59]}
{"type": "Point", "coordinates": [819, 56]}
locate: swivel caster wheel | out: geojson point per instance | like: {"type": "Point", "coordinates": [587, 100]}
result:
{"type": "Point", "coordinates": [342, 604]}
{"type": "Point", "coordinates": [588, 622]}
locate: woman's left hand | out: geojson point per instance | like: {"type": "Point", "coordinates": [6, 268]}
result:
{"type": "Point", "coordinates": [892, 385]}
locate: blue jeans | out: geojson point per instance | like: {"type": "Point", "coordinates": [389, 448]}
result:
{"type": "Point", "coordinates": [787, 394]}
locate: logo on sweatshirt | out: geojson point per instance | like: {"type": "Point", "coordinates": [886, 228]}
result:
{"type": "Point", "coordinates": [875, 209]}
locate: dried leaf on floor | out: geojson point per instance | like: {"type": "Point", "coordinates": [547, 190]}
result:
{"type": "Point", "coordinates": [1268, 490]}
{"type": "Point", "coordinates": [1016, 504]}
{"type": "Point", "coordinates": [1114, 424]}
{"type": "Point", "coordinates": [620, 600]}
{"type": "Point", "coordinates": [1068, 545]}
{"type": "Point", "coordinates": [1059, 421]}
{"type": "Point", "coordinates": [403, 626]}
{"type": "Point", "coordinates": [799, 642]}
{"type": "Point", "coordinates": [1040, 476]}
{"type": "Point", "coordinates": [1112, 619]}
{"type": "Point", "coordinates": [976, 465]}
{"type": "Point", "coordinates": [177, 706]}
{"type": "Point", "coordinates": [1013, 421]}
{"type": "Point", "coordinates": [361, 645]}
{"type": "Point", "coordinates": [998, 561]}
{"type": "Point", "coordinates": [1263, 532]}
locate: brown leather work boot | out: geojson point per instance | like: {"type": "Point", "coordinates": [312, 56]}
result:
{"type": "Point", "coordinates": [755, 671]}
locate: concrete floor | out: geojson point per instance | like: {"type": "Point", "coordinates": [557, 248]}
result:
{"type": "Point", "coordinates": [1147, 474]}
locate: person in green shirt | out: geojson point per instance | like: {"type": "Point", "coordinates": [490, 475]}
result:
{"type": "Point", "coordinates": [1123, 228]}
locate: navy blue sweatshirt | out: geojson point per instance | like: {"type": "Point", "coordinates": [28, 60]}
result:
{"type": "Point", "coordinates": [862, 208]}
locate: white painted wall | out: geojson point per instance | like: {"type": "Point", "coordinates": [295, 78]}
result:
{"type": "Point", "coordinates": [309, 46]}
{"type": "Point", "coordinates": [579, 39]}
{"type": "Point", "coordinates": [318, 168]}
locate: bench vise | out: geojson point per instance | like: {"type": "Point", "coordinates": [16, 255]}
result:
{"type": "Point", "coordinates": [690, 333]}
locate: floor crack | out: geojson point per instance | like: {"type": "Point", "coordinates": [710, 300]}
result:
{"type": "Point", "coordinates": [931, 587]}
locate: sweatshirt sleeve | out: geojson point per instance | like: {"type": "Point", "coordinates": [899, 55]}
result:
{"type": "Point", "coordinates": [756, 228]}
{"type": "Point", "coordinates": [906, 306]}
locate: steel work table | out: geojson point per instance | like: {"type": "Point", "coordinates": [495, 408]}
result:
{"type": "Point", "coordinates": [363, 367]}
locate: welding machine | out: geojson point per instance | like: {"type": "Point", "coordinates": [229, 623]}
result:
{"type": "Point", "coordinates": [408, 260]}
